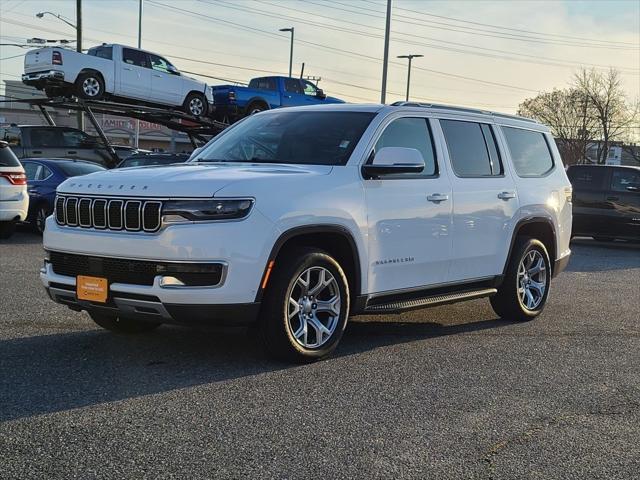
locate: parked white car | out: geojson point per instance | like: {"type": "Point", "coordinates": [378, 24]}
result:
{"type": "Point", "coordinates": [14, 199]}
{"type": "Point", "coordinates": [115, 71]}
{"type": "Point", "coordinates": [300, 217]}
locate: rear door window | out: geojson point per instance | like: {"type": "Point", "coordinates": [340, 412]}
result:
{"type": "Point", "coordinates": [135, 57]}
{"type": "Point", "coordinates": [46, 138]}
{"type": "Point", "coordinates": [623, 178]}
{"type": "Point", "coordinates": [472, 148]}
{"type": "Point", "coordinates": [292, 85]}
{"type": "Point", "coordinates": [587, 178]}
{"type": "Point", "coordinates": [529, 152]}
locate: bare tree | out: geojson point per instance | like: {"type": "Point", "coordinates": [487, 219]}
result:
{"type": "Point", "coordinates": [568, 114]}
{"type": "Point", "coordinates": [608, 104]}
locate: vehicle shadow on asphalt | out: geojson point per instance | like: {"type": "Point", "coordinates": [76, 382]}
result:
{"type": "Point", "coordinates": [52, 373]}
{"type": "Point", "coordinates": [591, 256]}
{"type": "Point", "coordinates": [23, 236]}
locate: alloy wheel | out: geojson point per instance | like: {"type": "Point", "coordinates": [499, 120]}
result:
{"type": "Point", "coordinates": [313, 311]}
{"type": "Point", "coordinates": [532, 280]}
{"type": "Point", "coordinates": [91, 87]}
{"type": "Point", "coordinates": [196, 107]}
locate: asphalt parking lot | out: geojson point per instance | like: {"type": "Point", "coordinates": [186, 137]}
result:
{"type": "Point", "coordinates": [451, 392]}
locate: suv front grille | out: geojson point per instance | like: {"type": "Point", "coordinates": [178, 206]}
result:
{"type": "Point", "coordinates": [110, 214]}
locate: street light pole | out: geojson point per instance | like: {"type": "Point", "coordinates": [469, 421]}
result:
{"type": "Point", "coordinates": [409, 57]}
{"type": "Point", "coordinates": [385, 62]}
{"type": "Point", "coordinates": [79, 49]}
{"type": "Point", "coordinates": [136, 141]}
{"type": "Point", "coordinates": [291, 29]}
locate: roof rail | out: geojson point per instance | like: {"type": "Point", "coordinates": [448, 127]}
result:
{"type": "Point", "coordinates": [461, 109]}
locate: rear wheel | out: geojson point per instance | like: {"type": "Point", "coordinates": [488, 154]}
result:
{"type": "Point", "coordinates": [90, 86]}
{"type": "Point", "coordinates": [122, 325]}
{"type": "Point", "coordinates": [40, 219]}
{"type": "Point", "coordinates": [306, 307]}
{"type": "Point", "coordinates": [525, 289]}
{"type": "Point", "coordinates": [256, 107]}
{"type": "Point", "coordinates": [196, 105]}
{"type": "Point", "coordinates": [7, 229]}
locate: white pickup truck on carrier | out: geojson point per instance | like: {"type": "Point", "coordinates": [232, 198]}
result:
{"type": "Point", "coordinates": [298, 218]}
{"type": "Point", "coordinates": [115, 71]}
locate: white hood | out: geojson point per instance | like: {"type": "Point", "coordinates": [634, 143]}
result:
{"type": "Point", "coordinates": [182, 180]}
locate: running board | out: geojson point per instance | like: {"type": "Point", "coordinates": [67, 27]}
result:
{"type": "Point", "coordinates": [431, 301]}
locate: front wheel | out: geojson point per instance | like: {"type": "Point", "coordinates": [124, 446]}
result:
{"type": "Point", "coordinates": [122, 325]}
{"type": "Point", "coordinates": [196, 105]}
{"type": "Point", "coordinates": [525, 289]}
{"type": "Point", "coordinates": [306, 306]}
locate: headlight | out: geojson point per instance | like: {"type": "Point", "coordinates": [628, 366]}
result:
{"type": "Point", "coordinates": [175, 211]}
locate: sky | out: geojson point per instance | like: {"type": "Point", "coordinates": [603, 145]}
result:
{"type": "Point", "coordinates": [484, 54]}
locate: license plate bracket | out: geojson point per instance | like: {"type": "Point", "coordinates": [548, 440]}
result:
{"type": "Point", "coordinates": [92, 289]}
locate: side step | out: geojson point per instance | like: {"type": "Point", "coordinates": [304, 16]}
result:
{"type": "Point", "coordinates": [431, 301]}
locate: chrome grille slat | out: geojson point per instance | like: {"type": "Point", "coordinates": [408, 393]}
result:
{"type": "Point", "coordinates": [132, 215]}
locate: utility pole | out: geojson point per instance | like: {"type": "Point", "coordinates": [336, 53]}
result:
{"type": "Point", "coordinates": [137, 137]}
{"type": "Point", "coordinates": [290, 29]}
{"type": "Point", "coordinates": [385, 64]}
{"type": "Point", "coordinates": [410, 57]}
{"type": "Point", "coordinates": [79, 49]}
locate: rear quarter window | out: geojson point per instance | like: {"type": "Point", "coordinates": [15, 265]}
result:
{"type": "Point", "coordinates": [587, 178]}
{"type": "Point", "coordinates": [8, 158]}
{"type": "Point", "coordinates": [530, 152]}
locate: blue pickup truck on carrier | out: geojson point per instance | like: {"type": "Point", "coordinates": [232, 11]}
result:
{"type": "Point", "coordinates": [233, 102]}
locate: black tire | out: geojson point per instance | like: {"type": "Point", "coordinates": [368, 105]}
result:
{"type": "Point", "coordinates": [196, 104]}
{"type": "Point", "coordinates": [603, 239]}
{"type": "Point", "coordinates": [122, 325]}
{"type": "Point", "coordinates": [90, 86]}
{"type": "Point", "coordinates": [7, 229]}
{"type": "Point", "coordinates": [276, 330]}
{"type": "Point", "coordinates": [256, 107]}
{"type": "Point", "coordinates": [508, 303]}
{"type": "Point", "coordinates": [39, 217]}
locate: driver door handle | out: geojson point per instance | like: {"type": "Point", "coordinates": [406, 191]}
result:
{"type": "Point", "coordinates": [506, 195]}
{"type": "Point", "coordinates": [437, 197]}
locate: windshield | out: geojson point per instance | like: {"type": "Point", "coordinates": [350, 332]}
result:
{"type": "Point", "coordinates": [312, 137]}
{"type": "Point", "coordinates": [72, 169]}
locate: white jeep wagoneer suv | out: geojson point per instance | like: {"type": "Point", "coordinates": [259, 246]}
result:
{"type": "Point", "coordinates": [296, 219]}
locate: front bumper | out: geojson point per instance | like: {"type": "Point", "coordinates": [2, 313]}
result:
{"type": "Point", "coordinates": [39, 78]}
{"type": "Point", "coordinates": [128, 301]}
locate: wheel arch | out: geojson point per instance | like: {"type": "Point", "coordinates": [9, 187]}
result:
{"type": "Point", "coordinates": [334, 239]}
{"type": "Point", "coordinates": [108, 86]}
{"type": "Point", "coordinates": [259, 100]}
{"type": "Point", "coordinates": [540, 228]}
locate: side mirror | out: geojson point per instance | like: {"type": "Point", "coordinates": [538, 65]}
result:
{"type": "Point", "coordinates": [320, 94]}
{"type": "Point", "coordinates": [173, 70]}
{"type": "Point", "coordinates": [389, 160]}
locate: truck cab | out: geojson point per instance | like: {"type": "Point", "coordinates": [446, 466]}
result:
{"type": "Point", "coordinates": [266, 93]}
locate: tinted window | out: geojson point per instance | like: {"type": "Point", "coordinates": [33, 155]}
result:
{"type": "Point", "coordinates": [75, 139]}
{"type": "Point", "coordinates": [73, 169]}
{"type": "Point", "coordinates": [468, 148]}
{"type": "Point", "coordinates": [31, 170]}
{"type": "Point", "coordinates": [46, 137]}
{"type": "Point", "coordinates": [292, 85]}
{"type": "Point", "coordinates": [587, 178]}
{"type": "Point", "coordinates": [8, 158]}
{"type": "Point", "coordinates": [11, 135]}
{"type": "Point", "coordinates": [320, 138]}
{"type": "Point", "coordinates": [410, 133]}
{"type": "Point", "coordinates": [44, 173]}
{"type": "Point", "coordinates": [263, 83]}
{"type": "Point", "coordinates": [101, 52]}
{"type": "Point", "coordinates": [622, 178]}
{"type": "Point", "coordinates": [529, 151]}
{"type": "Point", "coordinates": [135, 57]}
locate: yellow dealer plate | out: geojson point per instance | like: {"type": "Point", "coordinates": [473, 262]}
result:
{"type": "Point", "coordinates": [93, 289]}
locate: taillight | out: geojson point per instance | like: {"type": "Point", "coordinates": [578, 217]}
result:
{"type": "Point", "coordinates": [15, 178]}
{"type": "Point", "coordinates": [232, 96]}
{"type": "Point", "coordinates": [56, 58]}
